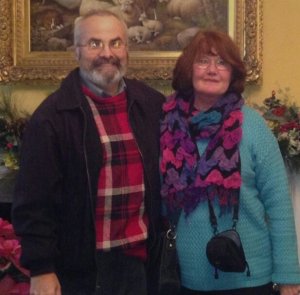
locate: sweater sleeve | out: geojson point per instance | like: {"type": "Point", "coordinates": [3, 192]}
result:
{"type": "Point", "coordinates": [274, 191]}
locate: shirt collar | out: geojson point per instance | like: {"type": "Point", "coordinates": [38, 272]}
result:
{"type": "Point", "coordinates": [99, 91]}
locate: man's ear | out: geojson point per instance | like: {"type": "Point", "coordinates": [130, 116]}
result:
{"type": "Point", "coordinates": [77, 53]}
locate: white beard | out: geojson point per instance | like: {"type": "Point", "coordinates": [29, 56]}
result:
{"type": "Point", "coordinates": [101, 80]}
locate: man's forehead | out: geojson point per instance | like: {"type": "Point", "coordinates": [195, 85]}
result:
{"type": "Point", "coordinates": [104, 27]}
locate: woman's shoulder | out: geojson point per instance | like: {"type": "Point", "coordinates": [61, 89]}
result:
{"type": "Point", "coordinates": [255, 127]}
{"type": "Point", "coordinates": [253, 118]}
{"type": "Point", "coordinates": [250, 112]}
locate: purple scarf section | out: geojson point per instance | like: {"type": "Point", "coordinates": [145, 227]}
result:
{"type": "Point", "coordinates": [187, 178]}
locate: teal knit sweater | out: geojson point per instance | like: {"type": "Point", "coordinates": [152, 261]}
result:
{"type": "Point", "coordinates": [266, 222]}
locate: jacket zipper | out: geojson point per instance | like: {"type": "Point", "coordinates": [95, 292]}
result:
{"type": "Point", "coordinates": [86, 160]}
{"type": "Point", "coordinates": [146, 175]}
{"type": "Point", "coordinates": [89, 181]}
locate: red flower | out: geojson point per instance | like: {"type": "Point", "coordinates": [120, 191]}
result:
{"type": "Point", "coordinates": [10, 251]}
{"type": "Point", "coordinates": [9, 145]}
{"type": "Point", "coordinates": [289, 126]}
{"type": "Point", "coordinates": [9, 287]}
{"type": "Point", "coordinates": [279, 111]}
{"type": "Point", "coordinates": [6, 229]}
{"type": "Point", "coordinates": [9, 248]}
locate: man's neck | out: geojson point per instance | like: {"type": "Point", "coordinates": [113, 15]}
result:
{"type": "Point", "coordinates": [101, 92]}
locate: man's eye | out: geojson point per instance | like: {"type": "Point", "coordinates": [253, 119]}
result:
{"type": "Point", "coordinates": [95, 44]}
{"type": "Point", "coordinates": [116, 44]}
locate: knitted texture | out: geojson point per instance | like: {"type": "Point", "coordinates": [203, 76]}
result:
{"type": "Point", "coordinates": [266, 222]}
{"type": "Point", "coordinates": [188, 180]}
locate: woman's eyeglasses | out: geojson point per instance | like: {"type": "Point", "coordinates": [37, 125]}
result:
{"type": "Point", "coordinates": [219, 63]}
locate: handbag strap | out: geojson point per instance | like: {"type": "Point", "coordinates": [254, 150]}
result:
{"type": "Point", "coordinates": [173, 217]}
{"type": "Point", "coordinates": [213, 218]}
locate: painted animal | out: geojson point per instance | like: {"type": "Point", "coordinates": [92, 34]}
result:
{"type": "Point", "coordinates": [130, 12]}
{"type": "Point", "coordinates": [139, 34]}
{"type": "Point", "coordinates": [88, 5]}
{"type": "Point", "coordinates": [70, 4]}
{"type": "Point", "coordinates": [185, 36]}
{"type": "Point", "coordinates": [154, 25]}
{"type": "Point", "coordinates": [187, 9]}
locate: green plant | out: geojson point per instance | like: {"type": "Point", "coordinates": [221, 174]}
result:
{"type": "Point", "coordinates": [283, 118]}
{"type": "Point", "coordinates": [12, 124]}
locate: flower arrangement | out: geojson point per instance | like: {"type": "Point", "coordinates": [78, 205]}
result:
{"type": "Point", "coordinates": [283, 118]}
{"type": "Point", "coordinates": [12, 124]}
{"type": "Point", "coordinates": [14, 279]}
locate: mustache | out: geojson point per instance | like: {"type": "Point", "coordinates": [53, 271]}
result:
{"type": "Point", "coordinates": [106, 60]}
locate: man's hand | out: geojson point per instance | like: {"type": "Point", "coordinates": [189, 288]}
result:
{"type": "Point", "coordinates": [289, 289]}
{"type": "Point", "coordinates": [45, 284]}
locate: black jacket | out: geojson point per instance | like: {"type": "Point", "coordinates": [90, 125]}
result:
{"type": "Point", "coordinates": [54, 201]}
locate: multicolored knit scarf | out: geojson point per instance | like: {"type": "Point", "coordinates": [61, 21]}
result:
{"type": "Point", "coordinates": [187, 178]}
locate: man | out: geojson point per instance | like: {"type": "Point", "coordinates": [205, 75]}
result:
{"type": "Point", "coordinates": [87, 199]}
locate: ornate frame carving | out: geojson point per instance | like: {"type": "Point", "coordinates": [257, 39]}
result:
{"type": "Point", "coordinates": [17, 63]}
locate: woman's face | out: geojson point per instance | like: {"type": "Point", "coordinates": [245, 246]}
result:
{"type": "Point", "coordinates": [211, 77]}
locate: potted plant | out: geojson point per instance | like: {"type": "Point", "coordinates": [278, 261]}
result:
{"type": "Point", "coordinates": [12, 124]}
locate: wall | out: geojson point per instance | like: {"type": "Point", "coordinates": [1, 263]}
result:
{"type": "Point", "coordinates": [281, 49]}
{"type": "Point", "coordinates": [281, 59]}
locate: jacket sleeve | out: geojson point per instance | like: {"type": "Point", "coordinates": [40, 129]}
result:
{"type": "Point", "coordinates": [37, 194]}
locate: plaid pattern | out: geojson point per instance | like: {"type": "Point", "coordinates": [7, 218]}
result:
{"type": "Point", "coordinates": [120, 213]}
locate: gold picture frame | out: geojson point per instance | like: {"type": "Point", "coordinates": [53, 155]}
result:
{"type": "Point", "coordinates": [17, 63]}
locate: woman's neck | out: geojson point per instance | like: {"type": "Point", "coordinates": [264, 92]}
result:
{"type": "Point", "coordinates": [203, 104]}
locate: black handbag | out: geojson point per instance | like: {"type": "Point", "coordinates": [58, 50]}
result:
{"type": "Point", "coordinates": [224, 250]}
{"type": "Point", "coordinates": [169, 276]}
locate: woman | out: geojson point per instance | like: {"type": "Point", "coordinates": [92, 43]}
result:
{"type": "Point", "coordinates": [214, 147]}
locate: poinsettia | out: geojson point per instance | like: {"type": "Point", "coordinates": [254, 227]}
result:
{"type": "Point", "coordinates": [14, 279]}
{"type": "Point", "coordinates": [283, 118]}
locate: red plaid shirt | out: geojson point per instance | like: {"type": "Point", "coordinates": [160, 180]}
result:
{"type": "Point", "coordinates": [120, 213]}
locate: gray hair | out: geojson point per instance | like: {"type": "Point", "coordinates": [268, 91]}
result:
{"type": "Point", "coordinates": [101, 13]}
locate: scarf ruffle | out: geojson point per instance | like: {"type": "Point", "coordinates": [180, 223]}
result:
{"type": "Point", "coordinates": [187, 178]}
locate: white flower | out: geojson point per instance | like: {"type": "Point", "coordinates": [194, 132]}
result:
{"type": "Point", "coordinates": [283, 136]}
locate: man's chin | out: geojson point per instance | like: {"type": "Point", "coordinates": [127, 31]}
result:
{"type": "Point", "coordinates": [107, 71]}
{"type": "Point", "coordinates": [106, 78]}
{"type": "Point", "coordinates": [106, 67]}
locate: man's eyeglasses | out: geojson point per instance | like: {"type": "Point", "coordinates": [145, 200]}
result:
{"type": "Point", "coordinates": [96, 44]}
{"type": "Point", "coordinates": [205, 62]}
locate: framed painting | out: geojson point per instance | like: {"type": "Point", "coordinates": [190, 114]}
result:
{"type": "Point", "coordinates": [36, 35]}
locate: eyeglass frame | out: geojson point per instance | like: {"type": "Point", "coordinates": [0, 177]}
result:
{"type": "Point", "coordinates": [223, 66]}
{"type": "Point", "coordinates": [100, 44]}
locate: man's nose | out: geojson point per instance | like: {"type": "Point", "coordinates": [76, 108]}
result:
{"type": "Point", "coordinates": [105, 51]}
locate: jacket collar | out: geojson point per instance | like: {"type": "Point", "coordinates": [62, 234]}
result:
{"type": "Point", "coordinates": [70, 92]}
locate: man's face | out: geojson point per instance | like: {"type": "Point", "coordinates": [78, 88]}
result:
{"type": "Point", "coordinates": [102, 53]}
